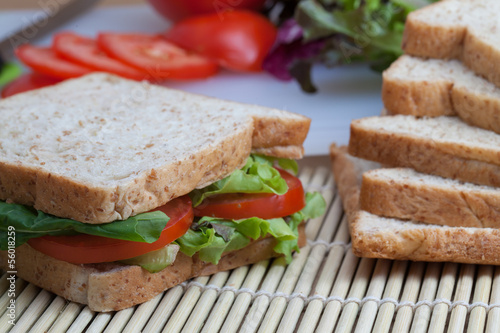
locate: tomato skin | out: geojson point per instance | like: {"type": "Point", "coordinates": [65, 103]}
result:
{"type": "Point", "coordinates": [176, 10]}
{"type": "Point", "coordinates": [264, 205]}
{"type": "Point", "coordinates": [239, 40]}
{"type": "Point", "coordinates": [85, 51]}
{"type": "Point", "coordinates": [27, 82]}
{"type": "Point", "coordinates": [44, 60]}
{"type": "Point", "coordinates": [88, 249]}
{"type": "Point", "coordinates": [156, 56]}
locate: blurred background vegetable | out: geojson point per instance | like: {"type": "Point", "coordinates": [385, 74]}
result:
{"type": "Point", "coordinates": [176, 10]}
{"type": "Point", "coordinates": [335, 32]}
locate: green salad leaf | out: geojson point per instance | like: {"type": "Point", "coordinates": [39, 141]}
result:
{"type": "Point", "coordinates": [155, 261]}
{"type": "Point", "coordinates": [30, 223]}
{"type": "Point", "coordinates": [257, 176]}
{"type": "Point", "coordinates": [206, 238]}
{"type": "Point", "coordinates": [336, 32]}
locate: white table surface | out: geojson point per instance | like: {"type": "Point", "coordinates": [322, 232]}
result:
{"type": "Point", "coordinates": [345, 93]}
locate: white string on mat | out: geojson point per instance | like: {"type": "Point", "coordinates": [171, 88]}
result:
{"type": "Point", "coordinates": [328, 245]}
{"type": "Point", "coordinates": [451, 305]}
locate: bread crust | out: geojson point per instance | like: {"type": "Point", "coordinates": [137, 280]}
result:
{"type": "Point", "coordinates": [378, 237]}
{"type": "Point", "coordinates": [424, 243]}
{"type": "Point", "coordinates": [461, 38]}
{"type": "Point", "coordinates": [421, 154]}
{"type": "Point", "coordinates": [112, 286]}
{"type": "Point", "coordinates": [417, 98]}
{"type": "Point", "coordinates": [444, 205]}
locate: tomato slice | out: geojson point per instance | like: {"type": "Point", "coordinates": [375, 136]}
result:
{"type": "Point", "coordinates": [44, 60]}
{"type": "Point", "coordinates": [263, 205]}
{"type": "Point", "coordinates": [238, 40]}
{"type": "Point", "coordinates": [85, 51]}
{"type": "Point", "coordinates": [27, 82]}
{"type": "Point", "coordinates": [87, 249]}
{"type": "Point", "coordinates": [158, 57]}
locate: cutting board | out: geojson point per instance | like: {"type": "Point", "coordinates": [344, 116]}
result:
{"type": "Point", "coordinates": [345, 93]}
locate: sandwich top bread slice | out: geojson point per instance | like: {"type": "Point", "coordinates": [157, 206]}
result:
{"type": "Point", "coordinates": [442, 146]}
{"type": "Point", "coordinates": [100, 148]}
{"type": "Point", "coordinates": [434, 87]}
{"type": "Point", "coordinates": [409, 195]}
{"type": "Point", "coordinates": [463, 29]}
{"type": "Point", "coordinates": [175, 172]}
{"type": "Point", "coordinates": [373, 236]}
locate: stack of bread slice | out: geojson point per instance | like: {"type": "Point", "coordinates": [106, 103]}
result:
{"type": "Point", "coordinates": [436, 197]}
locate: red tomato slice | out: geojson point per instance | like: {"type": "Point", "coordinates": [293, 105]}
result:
{"type": "Point", "coordinates": [44, 60]}
{"type": "Point", "coordinates": [153, 54]}
{"type": "Point", "coordinates": [238, 40]}
{"type": "Point", "coordinates": [86, 52]}
{"type": "Point", "coordinates": [87, 249]}
{"type": "Point", "coordinates": [27, 82]}
{"type": "Point", "coordinates": [263, 205]}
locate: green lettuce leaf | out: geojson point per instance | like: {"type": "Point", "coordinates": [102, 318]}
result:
{"type": "Point", "coordinates": [257, 176]}
{"type": "Point", "coordinates": [30, 223]}
{"type": "Point", "coordinates": [315, 207]}
{"type": "Point", "coordinates": [155, 261]}
{"type": "Point", "coordinates": [204, 237]}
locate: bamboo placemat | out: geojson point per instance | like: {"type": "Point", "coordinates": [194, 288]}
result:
{"type": "Point", "coordinates": [325, 289]}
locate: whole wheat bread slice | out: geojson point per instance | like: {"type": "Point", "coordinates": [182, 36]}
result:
{"type": "Point", "coordinates": [442, 146]}
{"type": "Point", "coordinates": [409, 195]}
{"type": "Point", "coordinates": [378, 237]}
{"type": "Point", "coordinates": [101, 148]}
{"type": "Point", "coordinates": [113, 286]}
{"type": "Point", "coordinates": [463, 29]}
{"type": "Point", "coordinates": [432, 87]}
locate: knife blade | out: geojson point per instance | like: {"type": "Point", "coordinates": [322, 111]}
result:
{"type": "Point", "coordinates": [52, 15]}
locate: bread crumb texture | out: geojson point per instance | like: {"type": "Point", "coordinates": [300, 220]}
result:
{"type": "Point", "coordinates": [101, 148]}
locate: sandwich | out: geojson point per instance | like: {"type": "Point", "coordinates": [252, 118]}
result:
{"type": "Point", "coordinates": [113, 191]}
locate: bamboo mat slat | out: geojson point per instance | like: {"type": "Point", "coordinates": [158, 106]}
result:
{"type": "Point", "coordinates": [325, 289]}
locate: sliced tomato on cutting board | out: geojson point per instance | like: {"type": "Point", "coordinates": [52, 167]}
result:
{"type": "Point", "coordinates": [87, 249]}
{"type": "Point", "coordinates": [27, 82]}
{"type": "Point", "coordinates": [263, 205]}
{"type": "Point", "coordinates": [85, 51]}
{"type": "Point", "coordinates": [45, 61]}
{"type": "Point", "coordinates": [158, 57]}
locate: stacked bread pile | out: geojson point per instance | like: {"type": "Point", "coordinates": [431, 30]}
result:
{"type": "Point", "coordinates": [437, 199]}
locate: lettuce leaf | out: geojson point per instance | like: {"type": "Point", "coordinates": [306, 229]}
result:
{"type": "Point", "coordinates": [257, 176]}
{"type": "Point", "coordinates": [206, 239]}
{"type": "Point", "coordinates": [30, 223]}
{"type": "Point", "coordinates": [336, 32]}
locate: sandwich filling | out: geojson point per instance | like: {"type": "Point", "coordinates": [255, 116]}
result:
{"type": "Point", "coordinates": [263, 199]}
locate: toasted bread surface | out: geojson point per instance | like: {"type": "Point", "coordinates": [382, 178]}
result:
{"type": "Point", "coordinates": [101, 148]}
{"type": "Point", "coordinates": [462, 29]}
{"type": "Point", "coordinates": [112, 286]}
{"type": "Point", "coordinates": [378, 237]}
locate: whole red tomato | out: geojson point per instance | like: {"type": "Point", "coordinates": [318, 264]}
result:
{"type": "Point", "coordinates": [237, 40]}
{"type": "Point", "coordinates": [179, 9]}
